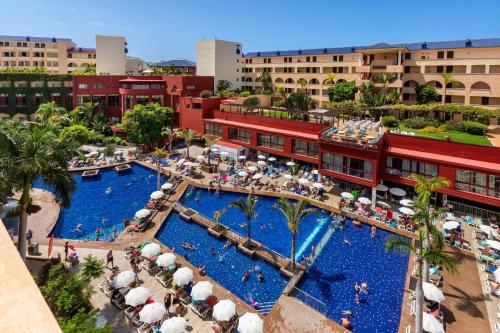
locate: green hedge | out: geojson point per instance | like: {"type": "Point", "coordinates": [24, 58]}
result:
{"type": "Point", "coordinates": [251, 101]}
{"type": "Point", "coordinates": [471, 127]}
{"type": "Point", "coordinates": [389, 121]}
{"type": "Point", "coordinates": [420, 122]}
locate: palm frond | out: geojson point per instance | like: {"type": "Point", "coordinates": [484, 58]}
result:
{"type": "Point", "coordinates": [400, 245]}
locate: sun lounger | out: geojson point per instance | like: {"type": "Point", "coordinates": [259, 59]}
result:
{"type": "Point", "coordinates": [200, 310]}
{"type": "Point", "coordinates": [129, 311]}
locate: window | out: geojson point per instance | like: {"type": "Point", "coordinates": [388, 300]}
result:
{"type": "Point", "coordinates": [407, 69]}
{"type": "Point", "coordinates": [213, 129]}
{"type": "Point", "coordinates": [341, 58]}
{"type": "Point", "coordinates": [449, 69]}
{"type": "Point", "coordinates": [4, 99]}
{"type": "Point", "coordinates": [285, 59]}
{"type": "Point", "coordinates": [406, 97]}
{"type": "Point", "coordinates": [82, 86]}
{"type": "Point", "coordinates": [477, 182]}
{"type": "Point", "coordinates": [335, 58]}
{"type": "Point", "coordinates": [89, 56]}
{"type": "Point", "coordinates": [347, 165]}
{"type": "Point", "coordinates": [450, 54]}
{"type": "Point", "coordinates": [239, 135]}
{"type": "Point", "coordinates": [404, 167]}
{"type": "Point", "coordinates": [270, 141]}
{"type": "Point", "coordinates": [407, 56]}
{"type": "Point", "coordinates": [439, 69]}
{"type": "Point", "coordinates": [306, 148]}
{"type": "Point", "coordinates": [114, 100]}
{"type": "Point", "coordinates": [440, 55]}
{"type": "Point", "coordinates": [20, 100]}
{"type": "Point", "coordinates": [485, 100]}
{"type": "Point", "coordinates": [314, 59]}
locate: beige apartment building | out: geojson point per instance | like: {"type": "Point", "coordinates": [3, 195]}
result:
{"type": "Point", "coordinates": [475, 65]}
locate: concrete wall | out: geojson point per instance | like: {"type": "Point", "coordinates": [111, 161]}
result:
{"type": "Point", "coordinates": [219, 59]}
{"type": "Point", "coordinates": [110, 55]}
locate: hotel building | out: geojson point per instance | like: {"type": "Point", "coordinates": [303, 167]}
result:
{"type": "Point", "coordinates": [475, 65]}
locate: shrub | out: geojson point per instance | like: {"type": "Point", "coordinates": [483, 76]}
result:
{"type": "Point", "coordinates": [109, 151]}
{"type": "Point", "coordinates": [454, 126]}
{"type": "Point", "coordinates": [245, 93]}
{"type": "Point", "coordinates": [432, 129]}
{"type": "Point", "coordinates": [251, 101]}
{"type": "Point", "coordinates": [78, 133]}
{"type": "Point", "coordinates": [95, 137]}
{"type": "Point", "coordinates": [206, 94]}
{"type": "Point", "coordinates": [389, 121]}
{"type": "Point", "coordinates": [426, 94]}
{"type": "Point", "coordinates": [342, 91]}
{"type": "Point", "coordinates": [420, 122]}
{"type": "Point", "coordinates": [474, 127]}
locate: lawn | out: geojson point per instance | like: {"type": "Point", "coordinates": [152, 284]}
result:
{"type": "Point", "coordinates": [455, 136]}
{"type": "Point", "coordinates": [275, 114]}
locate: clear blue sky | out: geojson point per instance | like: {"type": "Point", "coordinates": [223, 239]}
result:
{"type": "Point", "coordinates": [165, 29]}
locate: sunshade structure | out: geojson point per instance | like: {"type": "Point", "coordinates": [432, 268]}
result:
{"type": "Point", "coordinates": [406, 202]}
{"type": "Point", "coordinates": [272, 159]}
{"type": "Point", "coordinates": [261, 157]}
{"type": "Point", "coordinates": [399, 192]}
{"type": "Point", "coordinates": [318, 185]}
{"type": "Point", "coordinates": [124, 279]}
{"type": "Point", "coordinates": [303, 181]}
{"type": "Point", "coordinates": [451, 225]}
{"type": "Point", "coordinates": [165, 260]}
{"type": "Point", "coordinates": [347, 195]}
{"type": "Point", "coordinates": [224, 310]}
{"type": "Point", "coordinates": [262, 163]}
{"type": "Point", "coordinates": [151, 249]}
{"type": "Point", "coordinates": [257, 176]}
{"type": "Point", "coordinates": [252, 168]}
{"type": "Point", "coordinates": [382, 188]}
{"type": "Point", "coordinates": [242, 173]}
{"type": "Point", "coordinates": [167, 186]}
{"type": "Point", "coordinates": [288, 176]}
{"type": "Point", "coordinates": [250, 323]}
{"type": "Point", "coordinates": [406, 211]}
{"type": "Point", "coordinates": [492, 233]}
{"type": "Point", "coordinates": [156, 195]}
{"type": "Point", "coordinates": [364, 201]}
{"type": "Point", "coordinates": [290, 163]}
{"type": "Point", "coordinates": [242, 157]}
{"type": "Point", "coordinates": [137, 296]}
{"type": "Point", "coordinates": [152, 312]}
{"type": "Point", "coordinates": [174, 325]}
{"type": "Point", "coordinates": [201, 291]}
{"type": "Point", "coordinates": [431, 324]}
{"type": "Point", "coordinates": [493, 244]}
{"type": "Point", "coordinates": [433, 293]}
{"type": "Point", "coordinates": [383, 204]}
{"type": "Point", "coordinates": [183, 276]}
{"type": "Point", "coordinates": [143, 213]}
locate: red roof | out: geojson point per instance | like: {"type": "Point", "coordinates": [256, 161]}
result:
{"type": "Point", "coordinates": [228, 144]}
{"type": "Point", "coordinates": [458, 161]}
{"type": "Point", "coordinates": [266, 129]}
{"type": "Point", "coordinates": [142, 80]}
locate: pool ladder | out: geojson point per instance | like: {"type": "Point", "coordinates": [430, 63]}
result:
{"type": "Point", "coordinates": [265, 307]}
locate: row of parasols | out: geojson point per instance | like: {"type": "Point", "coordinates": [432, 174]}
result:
{"type": "Point", "coordinates": [405, 203]}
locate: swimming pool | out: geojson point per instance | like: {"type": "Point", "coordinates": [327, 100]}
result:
{"type": "Point", "coordinates": [332, 276]}
{"type": "Point", "coordinates": [274, 234]}
{"type": "Point", "coordinates": [92, 207]}
{"type": "Point", "coordinates": [227, 265]}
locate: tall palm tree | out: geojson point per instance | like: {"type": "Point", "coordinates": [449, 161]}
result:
{"type": "Point", "coordinates": [49, 113]}
{"type": "Point", "coordinates": [247, 206]}
{"type": "Point", "coordinates": [447, 79]}
{"type": "Point", "coordinates": [218, 214]}
{"type": "Point", "coordinates": [170, 134]}
{"type": "Point", "coordinates": [293, 212]}
{"type": "Point", "coordinates": [159, 153]}
{"type": "Point", "coordinates": [266, 82]}
{"type": "Point", "coordinates": [425, 188]}
{"type": "Point", "coordinates": [210, 141]}
{"type": "Point", "coordinates": [434, 255]}
{"type": "Point", "coordinates": [33, 153]}
{"type": "Point", "coordinates": [303, 83]}
{"type": "Point", "coordinates": [330, 79]}
{"type": "Point", "coordinates": [188, 135]}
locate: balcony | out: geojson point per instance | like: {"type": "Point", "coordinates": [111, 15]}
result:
{"type": "Point", "coordinates": [481, 92]}
{"type": "Point", "coordinates": [408, 90]}
{"type": "Point", "coordinates": [363, 69]}
{"type": "Point", "coordinates": [394, 69]}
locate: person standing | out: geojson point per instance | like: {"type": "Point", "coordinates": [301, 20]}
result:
{"type": "Point", "coordinates": [29, 236]}
{"type": "Point", "coordinates": [109, 259]}
{"type": "Point", "coordinates": [66, 250]}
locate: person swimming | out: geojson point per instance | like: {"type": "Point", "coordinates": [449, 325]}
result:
{"type": "Point", "coordinates": [262, 226]}
{"type": "Point", "coordinates": [374, 231]}
{"type": "Point", "coordinates": [260, 277]}
{"type": "Point", "coordinates": [115, 232]}
{"type": "Point", "coordinates": [346, 242]}
{"type": "Point", "coordinates": [227, 244]}
{"type": "Point", "coordinates": [197, 199]}
{"type": "Point", "coordinates": [98, 233]}
{"type": "Point", "coordinates": [188, 246]}
{"type": "Point", "coordinates": [254, 304]}
{"type": "Point", "coordinates": [364, 287]}
{"type": "Point", "coordinates": [243, 225]}
{"type": "Point", "coordinates": [109, 190]}
{"type": "Point", "coordinates": [78, 227]}
{"type": "Point", "coordinates": [212, 251]}
{"type": "Point", "coordinates": [245, 276]}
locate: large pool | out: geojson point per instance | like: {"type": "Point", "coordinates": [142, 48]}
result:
{"type": "Point", "coordinates": [332, 276]}
{"type": "Point", "coordinates": [227, 265]}
{"type": "Point", "coordinates": [269, 228]}
{"type": "Point", "coordinates": [92, 206]}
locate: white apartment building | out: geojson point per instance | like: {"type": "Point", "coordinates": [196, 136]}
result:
{"type": "Point", "coordinates": [220, 59]}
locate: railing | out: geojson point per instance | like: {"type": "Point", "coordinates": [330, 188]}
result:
{"type": "Point", "coordinates": [474, 211]}
{"type": "Point", "coordinates": [309, 300]}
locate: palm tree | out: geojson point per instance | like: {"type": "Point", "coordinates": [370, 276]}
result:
{"type": "Point", "coordinates": [303, 83]}
{"type": "Point", "coordinates": [425, 188]}
{"type": "Point", "coordinates": [92, 267]}
{"type": "Point", "coordinates": [210, 141]}
{"type": "Point", "coordinates": [159, 153]}
{"type": "Point", "coordinates": [247, 206]}
{"type": "Point", "coordinates": [170, 134]}
{"type": "Point", "coordinates": [32, 153]}
{"type": "Point", "coordinates": [218, 214]}
{"type": "Point", "coordinates": [447, 79]}
{"type": "Point", "coordinates": [293, 212]}
{"type": "Point", "coordinates": [331, 79]}
{"type": "Point", "coordinates": [49, 113]}
{"type": "Point", "coordinates": [266, 82]}
{"type": "Point", "coordinates": [188, 135]}
{"type": "Point", "coordinates": [434, 255]}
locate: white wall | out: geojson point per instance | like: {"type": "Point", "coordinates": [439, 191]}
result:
{"type": "Point", "coordinates": [219, 59]}
{"type": "Point", "coordinates": [110, 55]}
{"type": "Point", "coordinates": [134, 65]}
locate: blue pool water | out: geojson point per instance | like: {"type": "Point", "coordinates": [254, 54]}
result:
{"type": "Point", "coordinates": [332, 276]}
{"type": "Point", "coordinates": [275, 234]}
{"type": "Point", "coordinates": [92, 207]}
{"type": "Point", "coordinates": [227, 266]}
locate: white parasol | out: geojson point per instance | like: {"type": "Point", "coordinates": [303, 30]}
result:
{"type": "Point", "coordinates": [167, 186]}
{"type": "Point", "coordinates": [201, 291]}
{"type": "Point", "coordinates": [224, 310]}
{"type": "Point", "coordinates": [165, 260]}
{"type": "Point", "coordinates": [174, 325]}
{"type": "Point", "coordinates": [433, 293]}
{"type": "Point", "coordinates": [382, 188]}
{"type": "Point", "coordinates": [152, 312]}
{"type": "Point", "coordinates": [407, 202]}
{"type": "Point", "coordinates": [257, 176]}
{"type": "Point", "coordinates": [261, 163]}
{"type": "Point", "coordinates": [156, 195]}
{"type": "Point", "coordinates": [261, 157]}
{"type": "Point", "coordinates": [450, 225]}
{"type": "Point", "coordinates": [406, 211]}
{"type": "Point", "coordinates": [123, 279]}
{"type": "Point", "coordinates": [242, 173]}
{"type": "Point", "coordinates": [137, 296]}
{"type": "Point", "coordinates": [250, 323]}
{"type": "Point", "coordinates": [303, 181]}
{"type": "Point", "coordinates": [399, 192]}
{"type": "Point", "coordinates": [364, 200]}
{"type": "Point", "coordinates": [142, 213]}
{"type": "Point", "coordinates": [347, 195]}
{"type": "Point", "coordinates": [272, 159]}
{"type": "Point", "coordinates": [150, 249]}
{"type": "Point", "coordinates": [183, 276]}
{"type": "Point", "coordinates": [290, 163]}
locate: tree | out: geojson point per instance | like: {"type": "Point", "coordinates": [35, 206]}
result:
{"type": "Point", "coordinates": [298, 101]}
{"type": "Point", "coordinates": [144, 123]}
{"type": "Point", "coordinates": [251, 101]}
{"type": "Point", "coordinates": [170, 134]}
{"type": "Point", "coordinates": [218, 214]}
{"type": "Point", "coordinates": [247, 206]}
{"type": "Point", "coordinates": [330, 79]}
{"type": "Point", "coordinates": [266, 82]}
{"type": "Point", "coordinates": [303, 83]}
{"type": "Point", "coordinates": [77, 133]}
{"type": "Point", "coordinates": [92, 268]}
{"type": "Point", "coordinates": [426, 94]}
{"type": "Point", "coordinates": [84, 114]}
{"type": "Point", "coordinates": [223, 85]}
{"type": "Point", "coordinates": [210, 141]}
{"type": "Point", "coordinates": [32, 153]}
{"type": "Point", "coordinates": [83, 322]}
{"type": "Point", "coordinates": [342, 91]}
{"type": "Point", "coordinates": [159, 153]}
{"type": "Point", "coordinates": [50, 113]}
{"type": "Point", "coordinates": [188, 135]}
{"type": "Point", "coordinates": [447, 79]}
{"type": "Point", "coordinates": [293, 212]}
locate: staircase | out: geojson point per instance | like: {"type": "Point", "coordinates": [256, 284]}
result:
{"type": "Point", "coordinates": [265, 307]}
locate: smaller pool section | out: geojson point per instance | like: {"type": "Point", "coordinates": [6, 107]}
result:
{"type": "Point", "coordinates": [269, 228]}
{"type": "Point", "coordinates": [10, 222]}
{"type": "Point", "coordinates": [338, 266]}
{"type": "Point", "coordinates": [104, 201]}
{"type": "Point", "coordinates": [225, 265]}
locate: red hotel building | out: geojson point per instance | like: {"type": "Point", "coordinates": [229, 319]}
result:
{"type": "Point", "coordinates": [473, 171]}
